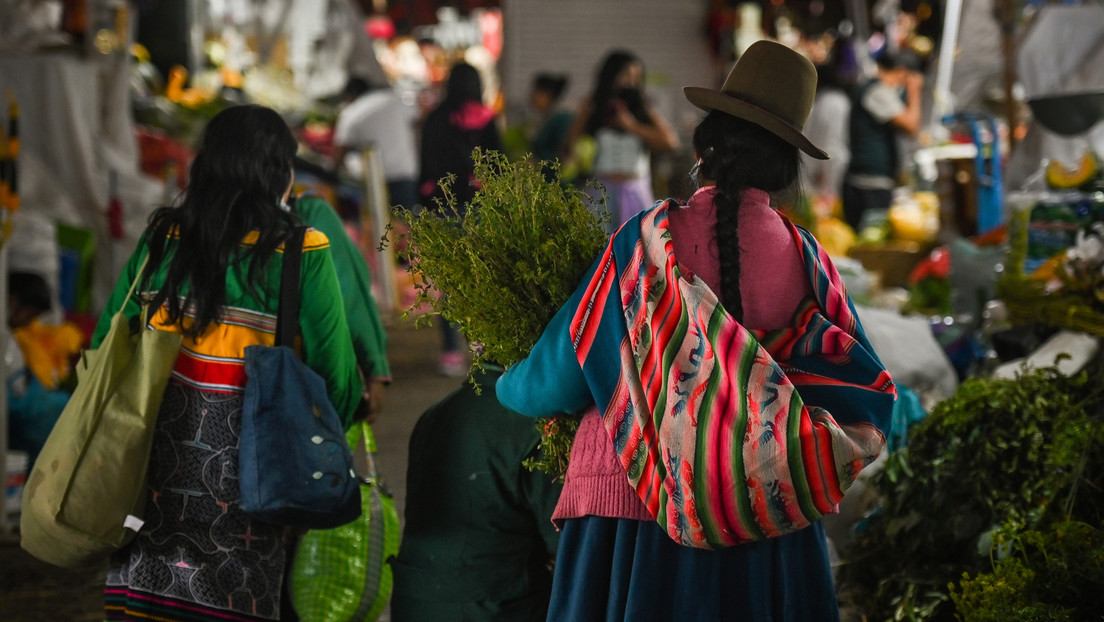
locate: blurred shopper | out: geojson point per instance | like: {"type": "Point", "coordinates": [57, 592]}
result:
{"type": "Point", "coordinates": [451, 131]}
{"type": "Point", "coordinates": [479, 539]}
{"type": "Point", "coordinates": [693, 347]}
{"type": "Point", "coordinates": [884, 109]}
{"type": "Point", "coordinates": [827, 125]}
{"type": "Point", "coordinates": [553, 123]}
{"type": "Point", "coordinates": [376, 118]}
{"type": "Point", "coordinates": [210, 268]}
{"type": "Point", "coordinates": [626, 130]}
{"type": "Point", "coordinates": [361, 313]}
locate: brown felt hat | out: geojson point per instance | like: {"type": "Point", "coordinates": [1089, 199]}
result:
{"type": "Point", "coordinates": [773, 87]}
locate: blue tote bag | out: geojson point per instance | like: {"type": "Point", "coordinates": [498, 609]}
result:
{"type": "Point", "coordinates": [294, 464]}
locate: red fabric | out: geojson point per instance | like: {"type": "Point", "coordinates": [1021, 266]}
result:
{"type": "Point", "coordinates": [156, 150]}
{"type": "Point", "coordinates": [472, 116]}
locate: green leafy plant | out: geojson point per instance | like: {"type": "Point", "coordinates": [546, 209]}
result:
{"type": "Point", "coordinates": [929, 295]}
{"type": "Point", "coordinates": [1001, 596]}
{"type": "Point", "coordinates": [501, 267]}
{"type": "Point", "coordinates": [1053, 574]}
{"type": "Point", "coordinates": [1026, 451]}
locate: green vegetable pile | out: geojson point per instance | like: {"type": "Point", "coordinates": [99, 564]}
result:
{"type": "Point", "coordinates": [1000, 489]}
{"type": "Point", "coordinates": [501, 268]}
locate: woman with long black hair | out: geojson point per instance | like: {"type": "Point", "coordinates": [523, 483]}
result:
{"type": "Point", "coordinates": [729, 393]}
{"type": "Point", "coordinates": [450, 133]}
{"type": "Point", "coordinates": [210, 269]}
{"type": "Point", "coordinates": [626, 130]}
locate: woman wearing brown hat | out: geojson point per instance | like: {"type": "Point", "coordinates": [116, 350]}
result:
{"type": "Point", "coordinates": [729, 393]}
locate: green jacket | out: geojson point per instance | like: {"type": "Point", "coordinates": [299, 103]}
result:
{"type": "Point", "coordinates": [479, 536]}
{"type": "Point", "coordinates": [216, 360]}
{"type": "Point", "coordinates": [369, 338]}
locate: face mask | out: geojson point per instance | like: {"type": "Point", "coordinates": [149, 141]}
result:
{"type": "Point", "coordinates": [695, 173]}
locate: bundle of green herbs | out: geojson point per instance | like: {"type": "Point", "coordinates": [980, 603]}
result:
{"type": "Point", "coordinates": [500, 268]}
{"type": "Point", "coordinates": [999, 492]}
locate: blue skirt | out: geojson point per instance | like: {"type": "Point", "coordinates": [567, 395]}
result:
{"type": "Point", "coordinates": [618, 569]}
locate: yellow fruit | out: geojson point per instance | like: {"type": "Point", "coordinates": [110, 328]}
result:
{"type": "Point", "coordinates": [915, 218]}
{"type": "Point", "coordinates": [929, 201]}
{"type": "Point", "coordinates": [1058, 176]}
{"type": "Point", "coordinates": [835, 236]}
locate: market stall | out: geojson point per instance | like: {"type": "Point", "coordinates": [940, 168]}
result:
{"type": "Point", "coordinates": [988, 512]}
{"type": "Point", "coordinates": [75, 135]}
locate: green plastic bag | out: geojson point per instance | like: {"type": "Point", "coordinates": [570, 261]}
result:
{"type": "Point", "coordinates": [87, 490]}
{"type": "Point", "coordinates": [343, 574]}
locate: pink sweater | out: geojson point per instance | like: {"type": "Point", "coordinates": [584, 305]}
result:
{"type": "Point", "coordinates": [772, 284]}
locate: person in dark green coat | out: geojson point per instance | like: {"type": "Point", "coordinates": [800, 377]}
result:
{"type": "Point", "coordinates": [479, 540]}
{"type": "Point", "coordinates": [365, 327]}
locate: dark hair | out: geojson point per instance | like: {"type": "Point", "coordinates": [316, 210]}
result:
{"type": "Point", "coordinates": [464, 85]}
{"type": "Point", "coordinates": [553, 84]}
{"type": "Point", "coordinates": [739, 154]}
{"type": "Point", "coordinates": [240, 172]}
{"type": "Point", "coordinates": [356, 87]}
{"type": "Point", "coordinates": [900, 60]}
{"type": "Point", "coordinates": [605, 91]}
{"type": "Point", "coordinates": [30, 290]}
{"type": "Point", "coordinates": [841, 69]}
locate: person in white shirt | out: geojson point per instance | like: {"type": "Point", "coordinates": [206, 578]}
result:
{"type": "Point", "coordinates": [375, 117]}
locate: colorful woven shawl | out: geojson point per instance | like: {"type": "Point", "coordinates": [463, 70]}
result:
{"type": "Point", "coordinates": [727, 435]}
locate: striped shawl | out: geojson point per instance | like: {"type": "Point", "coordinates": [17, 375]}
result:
{"type": "Point", "coordinates": [728, 435]}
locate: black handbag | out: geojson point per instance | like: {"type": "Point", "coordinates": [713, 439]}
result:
{"type": "Point", "coordinates": [294, 465]}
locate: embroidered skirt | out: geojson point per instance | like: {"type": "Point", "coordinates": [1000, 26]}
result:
{"type": "Point", "coordinates": [197, 556]}
{"type": "Point", "coordinates": [621, 569]}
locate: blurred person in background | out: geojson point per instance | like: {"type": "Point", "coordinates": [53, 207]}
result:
{"type": "Point", "coordinates": [828, 127]}
{"type": "Point", "coordinates": [553, 123]}
{"type": "Point", "coordinates": [884, 109]}
{"type": "Point", "coordinates": [452, 130]}
{"type": "Point", "coordinates": [626, 130]}
{"type": "Point", "coordinates": [374, 117]}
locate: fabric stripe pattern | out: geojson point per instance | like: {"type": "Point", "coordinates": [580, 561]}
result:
{"type": "Point", "coordinates": [728, 435]}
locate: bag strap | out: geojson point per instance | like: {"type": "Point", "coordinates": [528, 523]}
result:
{"type": "Point", "coordinates": [287, 315]}
{"type": "Point", "coordinates": [377, 528]}
{"type": "Point", "coordinates": [372, 477]}
{"type": "Point", "coordinates": [137, 277]}
{"type": "Point", "coordinates": [146, 311]}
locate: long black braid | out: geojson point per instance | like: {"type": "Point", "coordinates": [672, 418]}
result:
{"type": "Point", "coordinates": [738, 155]}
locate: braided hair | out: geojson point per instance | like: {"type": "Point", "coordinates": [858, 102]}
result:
{"type": "Point", "coordinates": [739, 154]}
